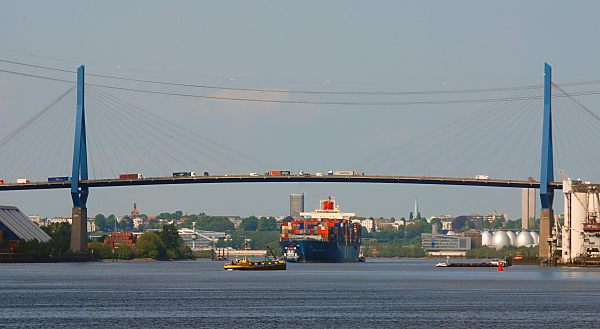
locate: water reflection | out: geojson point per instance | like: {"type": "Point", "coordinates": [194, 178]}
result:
{"type": "Point", "coordinates": [379, 293]}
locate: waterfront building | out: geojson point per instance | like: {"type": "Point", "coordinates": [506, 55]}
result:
{"type": "Point", "coordinates": [296, 204]}
{"type": "Point", "coordinates": [389, 226]}
{"type": "Point", "coordinates": [15, 226]}
{"type": "Point", "coordinates": [201, 240]}
{"type": "Point", "coordinates": [440, 217]}
{"type": "Point", "coordinates": [137, 218]}
{"type": "Point", "coordinates": [38, 220]}
{"type": "Point", "coordinates": [91, 222]}
{"type": "Point", "coordinates": [447, 224]}
{"type": "Point", "coordinates": [442, 245]}
{"type": "Point", "coordinates": [91, 225]}
{"type": "Point", "coordinates": [124, 237]}
{"type": "Point", "coordinates": [135, 212]}
{"type": "Point", "coordinates": [368, 224]}
{"type": "Point", "coordinates": [494, 217]}
{"type": "Point", "coordinates": [476, 221]}
{"type": "Point", "coordinates": [580, 241]}
{"type": "Point", "coordinates": [58, 220]}
{"type": "Point", "coordinates": [235, 220]}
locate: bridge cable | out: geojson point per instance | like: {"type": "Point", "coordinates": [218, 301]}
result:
{"type": "Point", "coordinates": [442, 133]}
{"type": "Point", "coordinates": [115, 112]}
{"type": "Point", "coordinates": [190, 133]}
{"type": "Point", "coordinates": [305, 102]}
{"type": "Point", "coordinates": [271, 90]}
{"type": "Point", "coordinates": [31, 120]}
{"type": "Point", "coordinates": [158, 127]}
{"type": "Point", "coordinates": [457, 132]}
{"type": "Point", "coordinates": [117, 130]}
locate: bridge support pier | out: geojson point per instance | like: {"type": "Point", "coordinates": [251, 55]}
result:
{"type": "Point", "coordinates": [79, 229]}
{"type": "Point", "coordinates": [546, 226]}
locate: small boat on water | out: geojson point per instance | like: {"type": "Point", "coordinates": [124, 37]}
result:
{"type": "Point", "coordinates": [251, 265]}
{"type": "Point", "coordinates": [491, 263]}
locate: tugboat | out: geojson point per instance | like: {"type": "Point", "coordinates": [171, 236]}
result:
{"type": "Point", "coordinates": [250, 265]}
{"type": "Point", "coordinates": [290, 255]}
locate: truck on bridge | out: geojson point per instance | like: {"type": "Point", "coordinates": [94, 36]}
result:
{"type": "Point", "coordinates": [59, 179]}
{"type": "Point", "coordinates": [131, 176]}
{"type": "Point", "coordinates": [184, 174]}
{"type": "Point", "coordinates": [278, 173]}
{"type": "Point", "coordinates": [344, 173]}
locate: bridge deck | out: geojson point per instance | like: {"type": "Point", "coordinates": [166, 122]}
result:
{"type": "Point", "coordinates": [279, 179]}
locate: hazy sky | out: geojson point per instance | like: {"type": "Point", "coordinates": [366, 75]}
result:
{"type": "Point", "coordinates": [308, 45]}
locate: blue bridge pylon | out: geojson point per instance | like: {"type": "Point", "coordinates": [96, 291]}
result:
{"type": "Point", "coordinates": [79, 193]}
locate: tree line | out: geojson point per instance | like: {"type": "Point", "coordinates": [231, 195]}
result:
{"type": "Point", "coordinates": [202, 221]}
{"type": "Point", "coordinates": [166, 244]}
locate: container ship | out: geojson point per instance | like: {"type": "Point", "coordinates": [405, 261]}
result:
{"type": "Point", "coordinates": [324, 235]}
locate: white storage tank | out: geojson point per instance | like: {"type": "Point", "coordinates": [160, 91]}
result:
{"type": "Point", "coordinates": [536, 237]}
{"type": "Point", "coordinates": [501, 240]}
{"type": "Point", "coordinates": [487, 239]}
{"type": "Point", "coordinates": [524, 239]}
{"type": "Point", "coordinates": [513, 237]}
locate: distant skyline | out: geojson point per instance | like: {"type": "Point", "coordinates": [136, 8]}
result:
{"type": "Point", "coordinates": [316, 46]}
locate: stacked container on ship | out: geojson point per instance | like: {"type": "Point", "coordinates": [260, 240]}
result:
{"type": "Point", "coordinates": [325, 235]}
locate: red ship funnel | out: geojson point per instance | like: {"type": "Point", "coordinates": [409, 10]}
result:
{"type": "Point", "coordinates": [328, 205]}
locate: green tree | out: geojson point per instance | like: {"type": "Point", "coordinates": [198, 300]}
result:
{"type": "Point", "coordinates": [110, 222]}
{"type": "Point", "coordinates": [513, 224]}
{"type": "Point", "coordinates": [100, 221]}
{"type": "Point", "coordinates": [167, 215]}
{"type": "Point", "coordinates": [60, 234]}
{"type": "Point", "coordinates": [249, 224]}
{"type": "Point", "coordinates": [215, 223]}
{"type": "Point", "coordinates": [150, 245]}
{"type": "Point", "coordinates": [123, 251]}
{"type": "Point", "coordinates": [266, 224]}
{"type": "Point", "coordinates": [170, 237]}
{"type": "Point", "coordinates": [125, 224]}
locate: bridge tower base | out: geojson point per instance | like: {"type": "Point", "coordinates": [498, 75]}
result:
{"type": "Point", "coordinates": [79, 235]}
{"type": "Point", "coordinates": [545, 249]}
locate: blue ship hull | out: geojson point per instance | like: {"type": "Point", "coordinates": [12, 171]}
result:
{"type": "Point", "coordinates": [310, 251]}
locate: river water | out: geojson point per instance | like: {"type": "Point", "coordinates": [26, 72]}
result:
{"type": "Point", "coordinates": [382, 293]}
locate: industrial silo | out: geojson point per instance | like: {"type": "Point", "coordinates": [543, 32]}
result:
{"type": "Point", "coordinates": [524, 239]}
{"type": "Point", "coordinates": [501, 240]}
{"type": "Point", "coordinates": [513, 237]}
{"type": "Point", "coordinates": [536, 237]}
{"type": "Point", "coordinates": [487, 239]}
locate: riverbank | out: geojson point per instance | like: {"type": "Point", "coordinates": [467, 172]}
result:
{"type": "Point", "coordinates": [25, 258]}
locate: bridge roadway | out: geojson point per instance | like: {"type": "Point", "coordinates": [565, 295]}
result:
{"type": "Point", "coordinates": [273, 179]}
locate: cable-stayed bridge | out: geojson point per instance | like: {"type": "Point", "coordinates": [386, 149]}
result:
{"type": "Point", "coordinates": [107, 142]}
{"type": "Point", "coordinates": [170, 180]}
